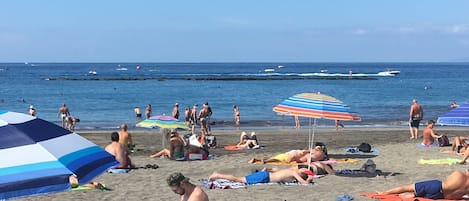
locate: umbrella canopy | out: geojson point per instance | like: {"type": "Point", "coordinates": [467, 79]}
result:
{"type": "Point", "coordinates": [163, 122]}
{"type": "Point", "coordinates": [37, 156]}
{"type": "Point", "coordinates": [458, 116]}
{"type": "Point", "coordinates": [317, 106]}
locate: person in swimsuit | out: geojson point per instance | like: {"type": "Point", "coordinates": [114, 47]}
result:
{"type": "Point", "coordinates": [176, 111]}
{"type": "Point", "coordinates": [429, 137]}
{"type": "Point", "coordinates": [180, 185]}
{"type": "Point", "coordinates": [236, 115]}
{"type": "Point", "coordinates": [287, 157]}
{"type": "Point", "coordinates": [137, 112]}
{"type": "Point", "coordinates": [187, 116]}
{"type": "Point", "coordinates": [148, 111]}
{"type": "Point", "coordinates": [118, 151]}
{"type": "Point", "coordinates": [415, 116]}
{"type": "Point", "coordinates": [63, 114]}
{"type": "Point", "coordinates": [176, 148]}
{"type": "Point", "coordinates": [454, 187]}
{"type": "Point", "coordinates": [249, 142]}
{"type": "Point", "coordinates": [459, 145]}
{"type": "Point", "coordinates": [203, 116]}
{"type": "Point", "coordinates": [303, 176]}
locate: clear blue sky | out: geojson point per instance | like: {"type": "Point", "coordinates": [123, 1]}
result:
{"type": "Point", "coordinates": [234, 31]}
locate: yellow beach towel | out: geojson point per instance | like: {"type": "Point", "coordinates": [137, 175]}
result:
{"type": "Point", "coordinates": [443, 161]}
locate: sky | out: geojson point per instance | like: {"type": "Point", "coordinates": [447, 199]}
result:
{"type": "Point", "coordinates": [234, 31]}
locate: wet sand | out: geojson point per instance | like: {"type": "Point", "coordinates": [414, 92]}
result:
{"type": "Point", "coordinates": [397, 156]}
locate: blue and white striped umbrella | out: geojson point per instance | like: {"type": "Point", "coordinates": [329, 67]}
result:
{"type": "Point", "coordinates": [38, 157]}
{"type": "Point", "coordinates": [458, 116]}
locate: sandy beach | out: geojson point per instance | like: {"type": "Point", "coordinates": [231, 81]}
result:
{"type": "Point", "coordinates": [397, 158]}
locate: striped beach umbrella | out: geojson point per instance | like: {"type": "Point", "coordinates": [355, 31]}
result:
{"type": "Point", "coordinates": [316, 105]}
{"type": "Point", "coordinates": [458, 116]}
{"type": "Point", "coordinates": [38, 157]}
{"type": "Point", "coordinates": [163, 121]}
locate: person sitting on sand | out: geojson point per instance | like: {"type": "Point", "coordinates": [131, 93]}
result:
{"type": "Point", "coordinates": [176, 148]}
{"type": "Point", "coordinates": [303, 176]}
{"type": "Point", "coordinates": [118, 151]}
{"type": "Point", "coordinates": [453, 188]}
{"type": "Point", "coordinates": [180, 184]}
{"type": "Point", "coordinates": [248, 142]}
{"type": "Point", "coordinates": [429, 136]}
{"type": "Point", "coordinates": [459, 145]}
{"type": "Point", "coordinates": [125, 139]}
{"type": "Point", "coordinates": [299, 156]}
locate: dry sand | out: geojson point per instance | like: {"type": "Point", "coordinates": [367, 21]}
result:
{"type": "Point", "coordinates": [397, 154]}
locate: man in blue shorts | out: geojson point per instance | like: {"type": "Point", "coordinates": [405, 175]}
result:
{"type": "Point", "coordinates": [303, 176]}
{"type": "Point", "coordinates": [453, 188]}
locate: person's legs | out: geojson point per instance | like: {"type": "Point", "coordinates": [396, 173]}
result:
{"type": "Point", "coordinates": [401, 189]}
{"type": "Point", "coordinates": [164, 152]}
{"type": "Point", "coordinates": [216, 175]}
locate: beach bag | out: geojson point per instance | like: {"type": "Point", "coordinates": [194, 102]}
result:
{"type": "Point", "coordinates": [364, 147]}
{"type": "Point", "coordinates": [443, 141]}
{"type": "Point", "coordinates": [211, 141]}
{"type": "Point", "coordinates": [369, 166]}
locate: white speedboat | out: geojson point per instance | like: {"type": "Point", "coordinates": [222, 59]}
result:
{"type": "Point", "coordinates": [92, 72]}
{"type": "Point", "coordinates": [280, 66]}
{"type": "Point", "coordinates": [269, 70]}
{"type": "Point", "coordinates": [391, 72]}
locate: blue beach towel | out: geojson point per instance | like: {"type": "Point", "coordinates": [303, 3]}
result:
{"type": "Point", "coordinates": [117, 171]}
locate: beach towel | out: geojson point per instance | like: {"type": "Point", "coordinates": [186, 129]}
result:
{"type": "Point", "coordinates": [293, 163]}
{"type": "Point", "coordinates": [117, 171]}
{"type": "Point", "coordinates": [395, 197]}
{"type": "Point", "coordinates": [227, 184]}
{"type": "Point", "coordinates": [345, 160]}
{"type": "Point", "coordinates": [239, 148]}
{"type": "Point", "coordinates": [442, 161]}
{"type": "Point", "coordinates": [356, 150]}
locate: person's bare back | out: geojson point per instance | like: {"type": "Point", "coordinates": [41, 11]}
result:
{"type": "Point", "coordinates": [288, 175]}
{"type": "Point", "coordinates": [124, 137]}
{"type": "Point", "coordinates": [456, 185]}
{"type": "Point", "coordinates": [117, 150]}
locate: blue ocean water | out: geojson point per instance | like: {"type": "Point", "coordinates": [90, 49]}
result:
{"type": "Point", "coordinates": [107, 99]}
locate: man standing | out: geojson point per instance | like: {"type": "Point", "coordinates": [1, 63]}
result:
{"type": "Point", "coordinates": [188, 191]}
{"type": "Point", "coordinates": [415, 116]}
{"type": "Point", "coordinates": [124, 138]}
{"type": "Point", "coordinates": [176, 111]}
{"type": "Point", "coordinates": [63, 114]}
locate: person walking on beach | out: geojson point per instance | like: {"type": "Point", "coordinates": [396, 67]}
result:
{"type": "Point", "coordinates": [415, 116]}
{"type": "Point", "coordinates": [337, 124]}
{"type": "Point", "coordinates": [209, 128]}
{"type": "Point", "coordinates": [176, 111]}
{"type": "Point", "coordinates": [187, 116]}
{"type": "Point", "coordinates": [297, 122]}
{"type": "Point", "coordinates": [32, 111]}
{"type": "Point", "coordinates": [148, 111]}
{"type": "Point", "coordinates": [181, 185]}
{"type": "Point", "coordinates": [454, 187]}
{"type": "Point", "coordinates": [63, 114]}
{"type": "Point", "coordinates": [236, 115]}
{"type": "Point", "coordinates": [194, 117]}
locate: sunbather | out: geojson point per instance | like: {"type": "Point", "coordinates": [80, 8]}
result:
{"type": "Point", "coordinates": [74, 183]}
{"type": "Point", "coordinates": [248, 142]}
{"type": "Point", "coordinates": [303, 176]}
{"type": "Point", "coordinates": [176, 148]}
{"type": "Point", "coordinates": [299, 156]}
{"type": "Point", "coordinates": [453, 188]}
{"type": "Point", "coordinates": [316, 167]}
{"type": "Point", "coordinates": [459, 145]}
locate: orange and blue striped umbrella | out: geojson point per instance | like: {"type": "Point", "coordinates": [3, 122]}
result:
{"type": "Point", "coordinates": [163, 121]}
{"type": "Point", "coordinates": [316, 105]}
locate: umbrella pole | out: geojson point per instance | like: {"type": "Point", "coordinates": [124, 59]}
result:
{"type": "Point", "coordinates": [311, 141]}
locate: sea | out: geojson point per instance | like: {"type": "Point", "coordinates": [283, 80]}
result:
{"type": "Point", "coordinates": [103, 95]}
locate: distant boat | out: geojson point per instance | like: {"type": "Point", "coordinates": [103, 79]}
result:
{"type": "Point", "coordinates": [280, 66]}
{"type": "Point", "coordinates": [389, 72]}
{"type": "Point", "coordinates": [269, 70]}
{"type": "Point", "coordinates": [323, 71]}
{"type": "Point", "coordinates": [121, 69]}
{"type": "Point", "coordinates": [92, 72]}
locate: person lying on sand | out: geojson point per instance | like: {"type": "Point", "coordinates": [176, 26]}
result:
{"type": "Point", "coordinates": [303, 176]}
{"type": "Point", "coordinates": [74, 183]}
{"type": "Point", "coordinates": [453, 188]}
{"type": "Point", "coordinates": [459, 145]}
{"type": "Point", "coordinates": [316, 167]}
{"type": "Point", "coordinates": [299, 156]}
{"type": "Point", "coordinates": [248, 142]}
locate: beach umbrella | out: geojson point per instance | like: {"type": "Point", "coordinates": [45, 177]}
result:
{"type": "Point", "coordinates": [38, 157]}
{"type": "Point", "coordinates": [315, 106]}
{"type": "Point", "coordinates": [458, 116]}
{"type": "Point", "coordinates": [163, 122]}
